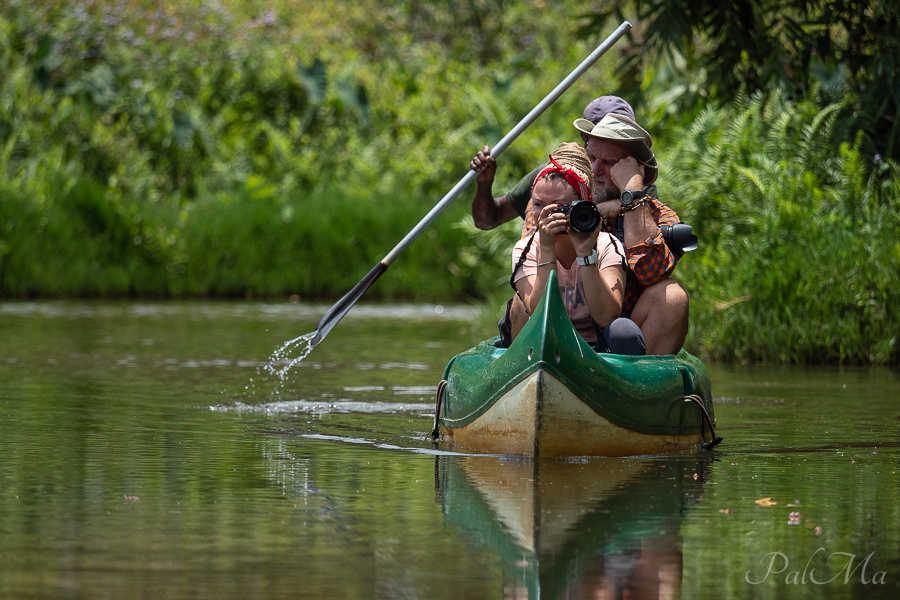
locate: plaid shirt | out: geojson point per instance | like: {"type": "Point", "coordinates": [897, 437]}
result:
{"type": "Point", "coordinates": [649, 262]}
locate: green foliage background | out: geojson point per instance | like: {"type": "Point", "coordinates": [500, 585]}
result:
{"type": "Point", "coordinates": [239, 149]}
{"type": "Point", "coordinates": [224, 149]}
{"type": "Point", "coordinates": [800, 247]}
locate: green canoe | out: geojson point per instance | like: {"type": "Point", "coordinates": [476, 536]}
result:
{"type": "Point", "coordinates": [551, 394]}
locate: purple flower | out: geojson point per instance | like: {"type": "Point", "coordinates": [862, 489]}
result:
{"type": "Point", "coordinates": [877, 157]}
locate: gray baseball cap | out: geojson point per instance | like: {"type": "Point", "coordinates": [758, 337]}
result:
{"type": "Point", "coordinates": [602, 106]}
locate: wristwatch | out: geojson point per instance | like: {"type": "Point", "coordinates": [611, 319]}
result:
{"type": "Point", "coordinates": [630, 199]}
{"type": "Point", "coordinates": [590, 259]}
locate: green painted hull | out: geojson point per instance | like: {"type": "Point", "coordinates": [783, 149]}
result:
{"type": "Point", "coordinates": [551, 394]}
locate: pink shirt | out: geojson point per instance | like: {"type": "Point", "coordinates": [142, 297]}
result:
{"type": "Point", "coordinates": [611, 254]}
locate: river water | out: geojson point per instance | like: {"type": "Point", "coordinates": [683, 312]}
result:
{"type": "Point", "coordinates": [145, 452]}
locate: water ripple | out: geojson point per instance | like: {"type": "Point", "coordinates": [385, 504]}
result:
{"type": "Point", "coordinates": [319, 407]}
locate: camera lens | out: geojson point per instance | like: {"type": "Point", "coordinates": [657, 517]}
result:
{"type": "Point", "coordinates": [584, 216]}
{"type": "Point", "coordinates": [679, 238]}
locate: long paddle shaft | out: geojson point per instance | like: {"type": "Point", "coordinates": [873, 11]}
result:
{"type": "Point", "coordinates": [343, 306]}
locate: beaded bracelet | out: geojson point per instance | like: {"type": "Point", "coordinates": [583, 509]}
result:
{"type": "Point", "coordinates": [635, 205]}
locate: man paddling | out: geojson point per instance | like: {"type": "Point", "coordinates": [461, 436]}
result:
{"type": "Point", "coordinates": [621, 161]}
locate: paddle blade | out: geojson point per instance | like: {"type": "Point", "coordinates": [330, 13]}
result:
{"type": "Point", "coordinates": [334, 314]}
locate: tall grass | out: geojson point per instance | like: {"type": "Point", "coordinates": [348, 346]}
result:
{"type": "Point", "coordinates": [249, 243]}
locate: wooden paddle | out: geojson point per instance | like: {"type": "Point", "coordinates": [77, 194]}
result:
{"type": "Point", "coordinates": [343, 306]}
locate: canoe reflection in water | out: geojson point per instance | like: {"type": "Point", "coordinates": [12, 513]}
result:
{"type": "Point", "coordinates": [580, 528]}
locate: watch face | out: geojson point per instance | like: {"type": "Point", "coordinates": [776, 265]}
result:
{"type": "Point", "coordinates": [627, 197]}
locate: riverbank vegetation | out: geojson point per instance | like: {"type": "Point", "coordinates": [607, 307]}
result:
{"type": "Point", "coordinates": [156, 150]}
{"type": "Point", "coordinates": [245, 150]}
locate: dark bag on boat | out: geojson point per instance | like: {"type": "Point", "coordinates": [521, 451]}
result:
{"type": "Point", "coordinates": [505, 327]}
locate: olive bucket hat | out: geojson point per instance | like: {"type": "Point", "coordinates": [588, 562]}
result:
{"type": "Point", "coordinates": [624, 132]}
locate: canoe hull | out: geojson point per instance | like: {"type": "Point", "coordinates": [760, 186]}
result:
{"type": "Point", "coordinates": [541, 417]}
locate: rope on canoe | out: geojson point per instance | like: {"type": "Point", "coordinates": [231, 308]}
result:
{"type": "Point", "coordinates": [436, 430]}
{"type": "Point", "coordinates": [704, 418]}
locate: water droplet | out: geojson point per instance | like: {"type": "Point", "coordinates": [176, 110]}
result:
{"type": "Point", "coordinates": [303, 342]}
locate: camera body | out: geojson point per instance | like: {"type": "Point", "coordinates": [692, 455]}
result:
{"type": "Point", "coordinates": [582, 216]}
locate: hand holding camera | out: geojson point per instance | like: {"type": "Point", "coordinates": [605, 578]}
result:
{"type": "Point", "coordinates": [580, 219]}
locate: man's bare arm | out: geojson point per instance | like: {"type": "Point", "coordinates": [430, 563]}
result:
{"type": "Point", "coordinates": [487, 211]}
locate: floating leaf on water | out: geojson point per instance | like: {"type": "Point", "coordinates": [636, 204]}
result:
{"type": "Point", "coordinates": [726, 511]}
{"type": "Point", "coordinates": [766, 502]}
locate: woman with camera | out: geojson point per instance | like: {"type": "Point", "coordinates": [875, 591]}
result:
{"type": "Point", "coordinates": [589, 262]}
